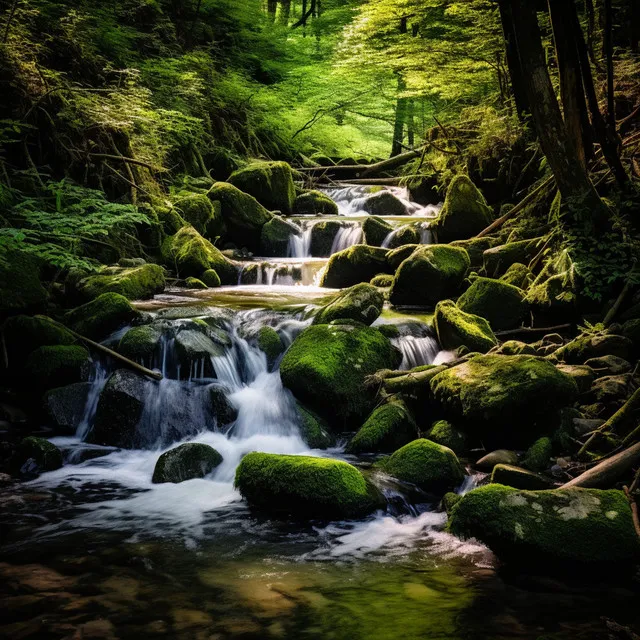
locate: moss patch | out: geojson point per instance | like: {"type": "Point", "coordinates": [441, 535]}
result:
{"type": "Point", "coordinates": [313, 429]}
{"type": "Point", "coordinates": [270, 183]}
{"type": "Point", "coordinates": [275, 236]}
{"type": "Point", "coordinates": [519, 275]}
{"type": "Point", "coordinates": [362, 302]}
{"type": "Point", "coordinates": [202, 214]}
{"type": "Point", "coordinates": [538, 456]}
{"type": "Point", "coordinates": [102, 316]}
{"type": "Point", "coordinates": [356, 264]}
{"type": "Point", "coordinates": [270, 343]}
{"type": "Point", "coordinates": [137, 283]}
{"type": "Point", "coordinates": [211, 278]}
{"type": "Point", "coordinates": [455, 328]}
{"type": "Point", "coordinates": [444, 433]}
{"type": "Point", "coordinates": [315, 203]}
{"type": "Point", "coordinates": [24, 334]}
{"type": "Point", "coordinates": [375, 230]}
{"type": "Point", "coordinates": [140, 343]}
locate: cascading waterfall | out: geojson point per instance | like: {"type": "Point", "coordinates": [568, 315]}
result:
{"type": "Point", "coordinates": [419, 346]}
{"type": "Point", "coordinates": [300, 243]}
{"type": "Point", "coordinates": [346, 237]}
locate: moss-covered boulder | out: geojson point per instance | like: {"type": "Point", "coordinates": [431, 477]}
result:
{"type": "Point", "coordinates": [515, 348]}
{"type": "Point", "coordinates": [356, 264]}
{"type": "Point", "coordinates": [497, 260]}
{"type": "Point", "coordinates": [313, 429]}
{"type": "Point", "coordinates": [375, 230]}
{"type": "Point", "coordinates": [186, 462]}
{"type": "Point", "coordinates": [102, 316]}
{"type": "Point", "coordinates": [519, 275]}
{"type": "Point", "coordinates": [550, 529]}
{"type": "Point", "coordinates": [455, 328]}
{"type": "Point", "coordinates": [502, 304]}
{"type": "Point", "coordinates": [538, 455]}
{"type": "Point", "coordinates": [326, 367]}
{"type": "Point", "coordinates": [389, 427]}
{"type": "Point", "coordinates": [323, 234]}
{"type": "Point", "coordinates": [428, 275]}
{"type": "Point", "coordinates": [275, 236]}
{"type": "Point", "coordinates": [362, 302]}
{"type": "Point", "coordinates": [314, 203]}
{"type": "Point", "coordinates": [499, 397]}
{"type": "Point", "coordinates": [464, 214]}
{"type": "Point", "coordinates": [189, 254]}
{"type": "Point", "coordinates": [444, 433]}
{"type": "Point", "coordinates": [20, 288]}
{"type": "Point", "coordinates": [211, 278]}
{"type": "Point", "coordinates": [194, 283]}
{"type": "Point", "coordinates": [428, 465]}
{"type": "Point", "coordinates": [384, 203]}
{"type": "Point", "coordinates": [141, 344]}
{"type": "Point", "coordinates": [475, 247]}
{"type": "Point", "coordinates": [270, 183]}
{"type": "Point", "coordinates": [36, 455]}
{"type": "Point", "coordinates": [170, 220]}
{"type": "Point", "coordinates": [405, 235]}
{"type": "Point", "coordinates": [202, 214]}
{"type": "Point", "coordinates": [55, 366]}
{"type": "Point", "coordinates": [583, 376]}
{"type": "Point", "coordinates": [594, 345]}
{"type": "Point", "coordinates": [243, 215]}
{"type": "Point", "coordinates": [396, 257]}
{"type": "Point", "coordinates": [519, 478]}
{"type": "Point", "coordinates": [136, 283]}
{"type": "Point", "coordinates": [306, 487]}
{"type": "Point", "coordinates": [270, 343]}
{"type": "Point", "coordinates": [382, 280]}
{"type": "Point", "coordinates": [555, 297]}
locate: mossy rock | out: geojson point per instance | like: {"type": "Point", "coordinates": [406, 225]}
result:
{"type": "Point", "coordinates": [497, 260]}
{"type": "Point", "coordinates": [202, 214]}
{"type": "Point", "coordinates": [36, 455]}
{"type": "Point", "coordinates": [450, 500]}
{"type": "Point", "coordinates": [323, 234]}
{"type": "Point", "coordinates": [382, 280]}
{"type": "Point", "coordinates": [444, 433]}
{"type": "Point", "coordinates": [275, 236]}
{"type": "Point", "coordinates": [502, 304]}
{"type": "Point", "coordinates": [65, 406]}
{"type": "Point", "coordinates": [519, 478]}
{"type": "Point", "coordinates": [553, 296]}
{"type": "Point", "coordinates": [191, 255]}
{"type": "Point", "coordinates": [270, 183]}
{"type": "Point", "coordinates": [500, 456]}
{"type": "Point", "coordinates": [581, 374]}
{"type": "Point", "coordinates": [588, 346]}
{"type": "Point", "coordinates": [405, 235]}
{"type": "Point", "coordinates": [305, 487]}
{"type": "Point", "coordinates": [519, 275]}
{"type": "Point", "coordinates": [384, 203]}
{"type": "Point", "coordinates": [464, 214]}
{"type": "Point", "coordinates": [455, 328]}
{"type": "Point", "coordinates": [194, 283]}
{"type": "Point", "coordinates": [326, 367]}
{"type": "Point", "coordinates": [211, 278]}
{"type": "Point", "coordinates": [315, 203]}
{"type": "Point", "coordinates": [270, 343]}
{"type": "Point", "coordinates": [136, 283]}
{"type": "Point", "coordinates": [102, 316]}
{"type": "Point", "coordinates": [427, 465]}
{"type": "Point", "coordinates": [550, 529]}
{"type": "Point", "coordinates": [538, 455]}
{"type": "Point", "coordinates": [514, 348]}
{"type": "Point", "coordinates": [186, 462]}
{"type": "Point", "coordinates": [375, 230]}
{"type": "Point", "coordinates": [141, 344]}
{"type": "Point", "coordinates": [222, 408]}
{"type": "Point", "coordinates": [475, 247]}
{"type": "Point", "coordinates": [389, 427]}
{"type": "Point", "coordinates": [243, 215]}
{"type": "Point", "coordinates": [56, 366]}
{"type": "Point", "coordinates": [313, 429]}
{"type": "Point", "coordinates": [428, 275]}
{"type": "Point", "coordinates": [396, 257]}
{"type": "Point", "coordinates": [24, 334]}
{"type": "Point", "coordinates": [194, 350]}
{"type": "Point", "coordinates": [356, 264]}
{"type": "Point", "coordinates": [170, 220]}
{"type": "Point", "coordinates": [499, 397]}
{"type": "Point", "coordinates": [20, 288]}
{"type": "Point", "coordinates": [362, 302]}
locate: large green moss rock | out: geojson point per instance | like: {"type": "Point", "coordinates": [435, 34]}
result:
{"type": "Point", "coordinates": [444, 433]}
{"type": "Point", "coordinates": [362, 302]}
{"type": "Point", "coordinates": [455, 328]}
{"type": "Point", "coordinates": [594, 345]}
{"type": "Point", "coordinates": [375, 230]}
{"type": "Point", "coordinates": [314, 430]}
{"type": "Point", "coordinates": [102, 316]}
{"type": "Point", "coordinates": [326, 367]}
{"type": "Point", "coordinates": [275, 236]}
{"type": "Point", "coordinates": [396, 257]}
{"type": "Point", "coordinates": [428, 465]}
{"type": "Point", "coordinates": [270, 183]}
{"type": "Point", "coordinates": [315, 203]}
{"type": "Point", "coordinates": [202, 214]}
{"type": "Point", "coordinates": [303, 486]}
{"type": "Point", "coordinates": [55, 366]}
{"type": "Point", "coordinates": [211, 278]}
{"type": "Point", "coordinates": [519, 275]}
{"type": "Point", "coordinates": [497, 260]}
{"type": "Point", "coordinates": [243, 215]}
{"type": "Point", "coordinates": [382, 280]}
{"type": "Point", "coordinates": [35, 455]}
{"type": "Point", "coordinates": [20, 288]}
{"type": "Point", "coordinates": [389, 427]}
{"type": "Point", "coordinates": [502, 396]}
{"type": "Point", "coordinates": [189, 254]}
{"type": "Point", "coordinates": [384, 203]}
{"type": "Point", "coordinates": [551, 529]}
{"type": "Point", "coordinates": [140, 344]}
{"type": "Point", "coordinates": [405, 235]}
{"type": "Point", "coordinates": [475, 247]}
{"type": "Point", "coordinates": [186, 462]}
{"type": "Point", "coordinates": [194, 283]}
{"type": "Point", "coordinates": [134, 283]}
{"type": "Point", "coordinates": [502, 304]}
{"type": "Point", "coordinates": [464, 214]}
{"type": "Point", "coordinates": [356, 264]}
{"type": "Point", "coordinates": [430, 274]}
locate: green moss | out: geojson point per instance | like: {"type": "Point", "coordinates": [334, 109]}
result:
{"type": "Point", "coordinates": [429, 274]}
{"type": "Point", "coordinates": [140, 343]}
{"type": "Point", "coordinates": [102, 316]}
{"type": "Point", "coordinates": [375, 230]}
{"type": "Point", "coordinates": [362, 302]}
{"type": "Point", "coordinates": [428, 465]}
{"type": "Point", "coordinates": [444, 433]}
{"type": "Point", "coordinates": [475, 247]}
{"type": "Point", "coordinates": [170, 220]}
{"type": "Point", "coordinates": [356, 264]}
{"type": "Point", "coordinates": [405, 235]}
{"type": "Point", "coordinates": [596, 345]}
{"type": "Point", "coordinates": [20, 288]}
{"type": "Point", "coordinates": [191, 255]}
{"type": "Point", "coordinates": [396, 257]}
{"type": "Point", "coordinates": [270, 343]}
{"type": "Point", "coordinates": [202, 214]}
{"type": "Point", "coordinates": [450, 500]}
{"type": "Point", "coordinates": [538, 455]}
{"type": "Point", "coordinates": [315, 203]}
{"type": "Point", "coordinates": [549, 528]}
{"type": "Point", "coordinates": [137, 283]}
{"type": "Point", "coordinates": [304, 486]}
{"type": "Point", "coordinates": [35, 454]}
{"type": "Point", "coordinates": [322, 236]}
{"type": "Point", "coordinates": [515, 348]}
{"type": "Point", "coordinates": [497, 260]}
{"type": "Point", "coordinates": [384, 203]}
{"type": "Point", "coordinates": [389, 426]}
{"type": "Point", "coordinates": [502, 304]}
{"type": "Point", "coordinates": [455, 328]}
{"type": "Point", "coordinates": [194, 283]}
{"type": "Point", "coordinates": [270, 183]}
{"type": "Point", "coordinates": [211, 278]}
{"type": "Point", "coordinates": [326, 367]}
{"type": "Point", "coordinates": [519, 275]}
{"type": "Point", "coordinates": [56, 366]}
{"type": "Point", "coordinates": [389, 330]}
{"type": "Point", "coordinates": [465, 212]}
{"type": "Point", "coordinates": [275, 236]}
{"type": "Point", "coordinates": [382, 280]}
{"type": "Point", "coordinates": [186, 462]}
{"type": "Point", "coordinates": [518, 478]}
{"type": "Point", "coordinates": [554, 294]}
{"type": "Point", "coordinates": [313, 429]}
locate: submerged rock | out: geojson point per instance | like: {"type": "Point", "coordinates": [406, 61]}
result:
{"type": "Point", "coordinates": [101, 317]}
{"type": "Point", "coordinates": [275, 236]}
{"type": "Point", "coordinates": [428, 275]}
{"type": "Point", "coordinates": [134, 283]}
{"type": "Point", "coordinates": [36, 455]}
{"type": "Point", "coordinates": [550, 529]}
{"type": "Point", "coordinates": [375, 230]}
{"type": "Point", "coordinates": [186, 462]}
{"type": "Point", "coordinates": [54, 366]}
{"type": "Point", "coordinates": [502, 304]}
{"type": "Point", "coordinates": [326, 367]}
{"type": "Point", "coordinates": [356, 264]}
{"type": "Point", "coordinates": [270, 183]}
{"type": "Point", "coordinates": [384, 203]}
{"type": "Point", "coordinates": [362, 302]}
{"type": "Point", "coordinates": [455, 328]}
{"type": "Point", "coordinates": [303, 486]}
{"type": "Point", "coordinates": [315, 203]}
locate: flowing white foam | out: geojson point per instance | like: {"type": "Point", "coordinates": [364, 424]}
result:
{"type": "Point", "coordinates": [346, 237]}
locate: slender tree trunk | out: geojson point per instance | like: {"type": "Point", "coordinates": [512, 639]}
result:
{"type": "Point", "coordinates": [591, 27]}
{"type": "Point", "coordinates": [608, 50]}
{"type": "Point", "coordinates": [411, 124]}
{"type": "Point", "coordinates": [398, 127]}
{"type": "Point", "coordinates": [272, 6]}
{"type": "Point", "coordinates": [285, 12]}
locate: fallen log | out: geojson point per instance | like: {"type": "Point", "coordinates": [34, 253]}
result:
{"type": "Point", "coordinates": [529, 330]}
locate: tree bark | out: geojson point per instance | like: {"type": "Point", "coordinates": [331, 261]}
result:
{"type": "Point", "coordinates": [411, 124]}
{"type": "Point", "coordinates": [608, 50]}
{"type": "Point", "coordinates": [398, 127]}
{"type": "Point", "coordinates": [607, 472]}
{"type": "Point", "coordinates": [272, 6]}
{"type": "Point", "coordinates": [285, 12]}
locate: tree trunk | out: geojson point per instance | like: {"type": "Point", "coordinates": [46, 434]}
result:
{"type": "Point", "coordinates": [606, 473]}
{"type": "Point", "coordinates": [398, 127]}
{"type": "Point", "coordinates": [591, 27]}
{"type": "Point", "coordinates": [411, 125]}
{"type": "Point", "coordinates": [607, 43]}
{"type": "Point", "coordinates": [285, 12]}
{"type": "Point", "coordinates": [272, 6]}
